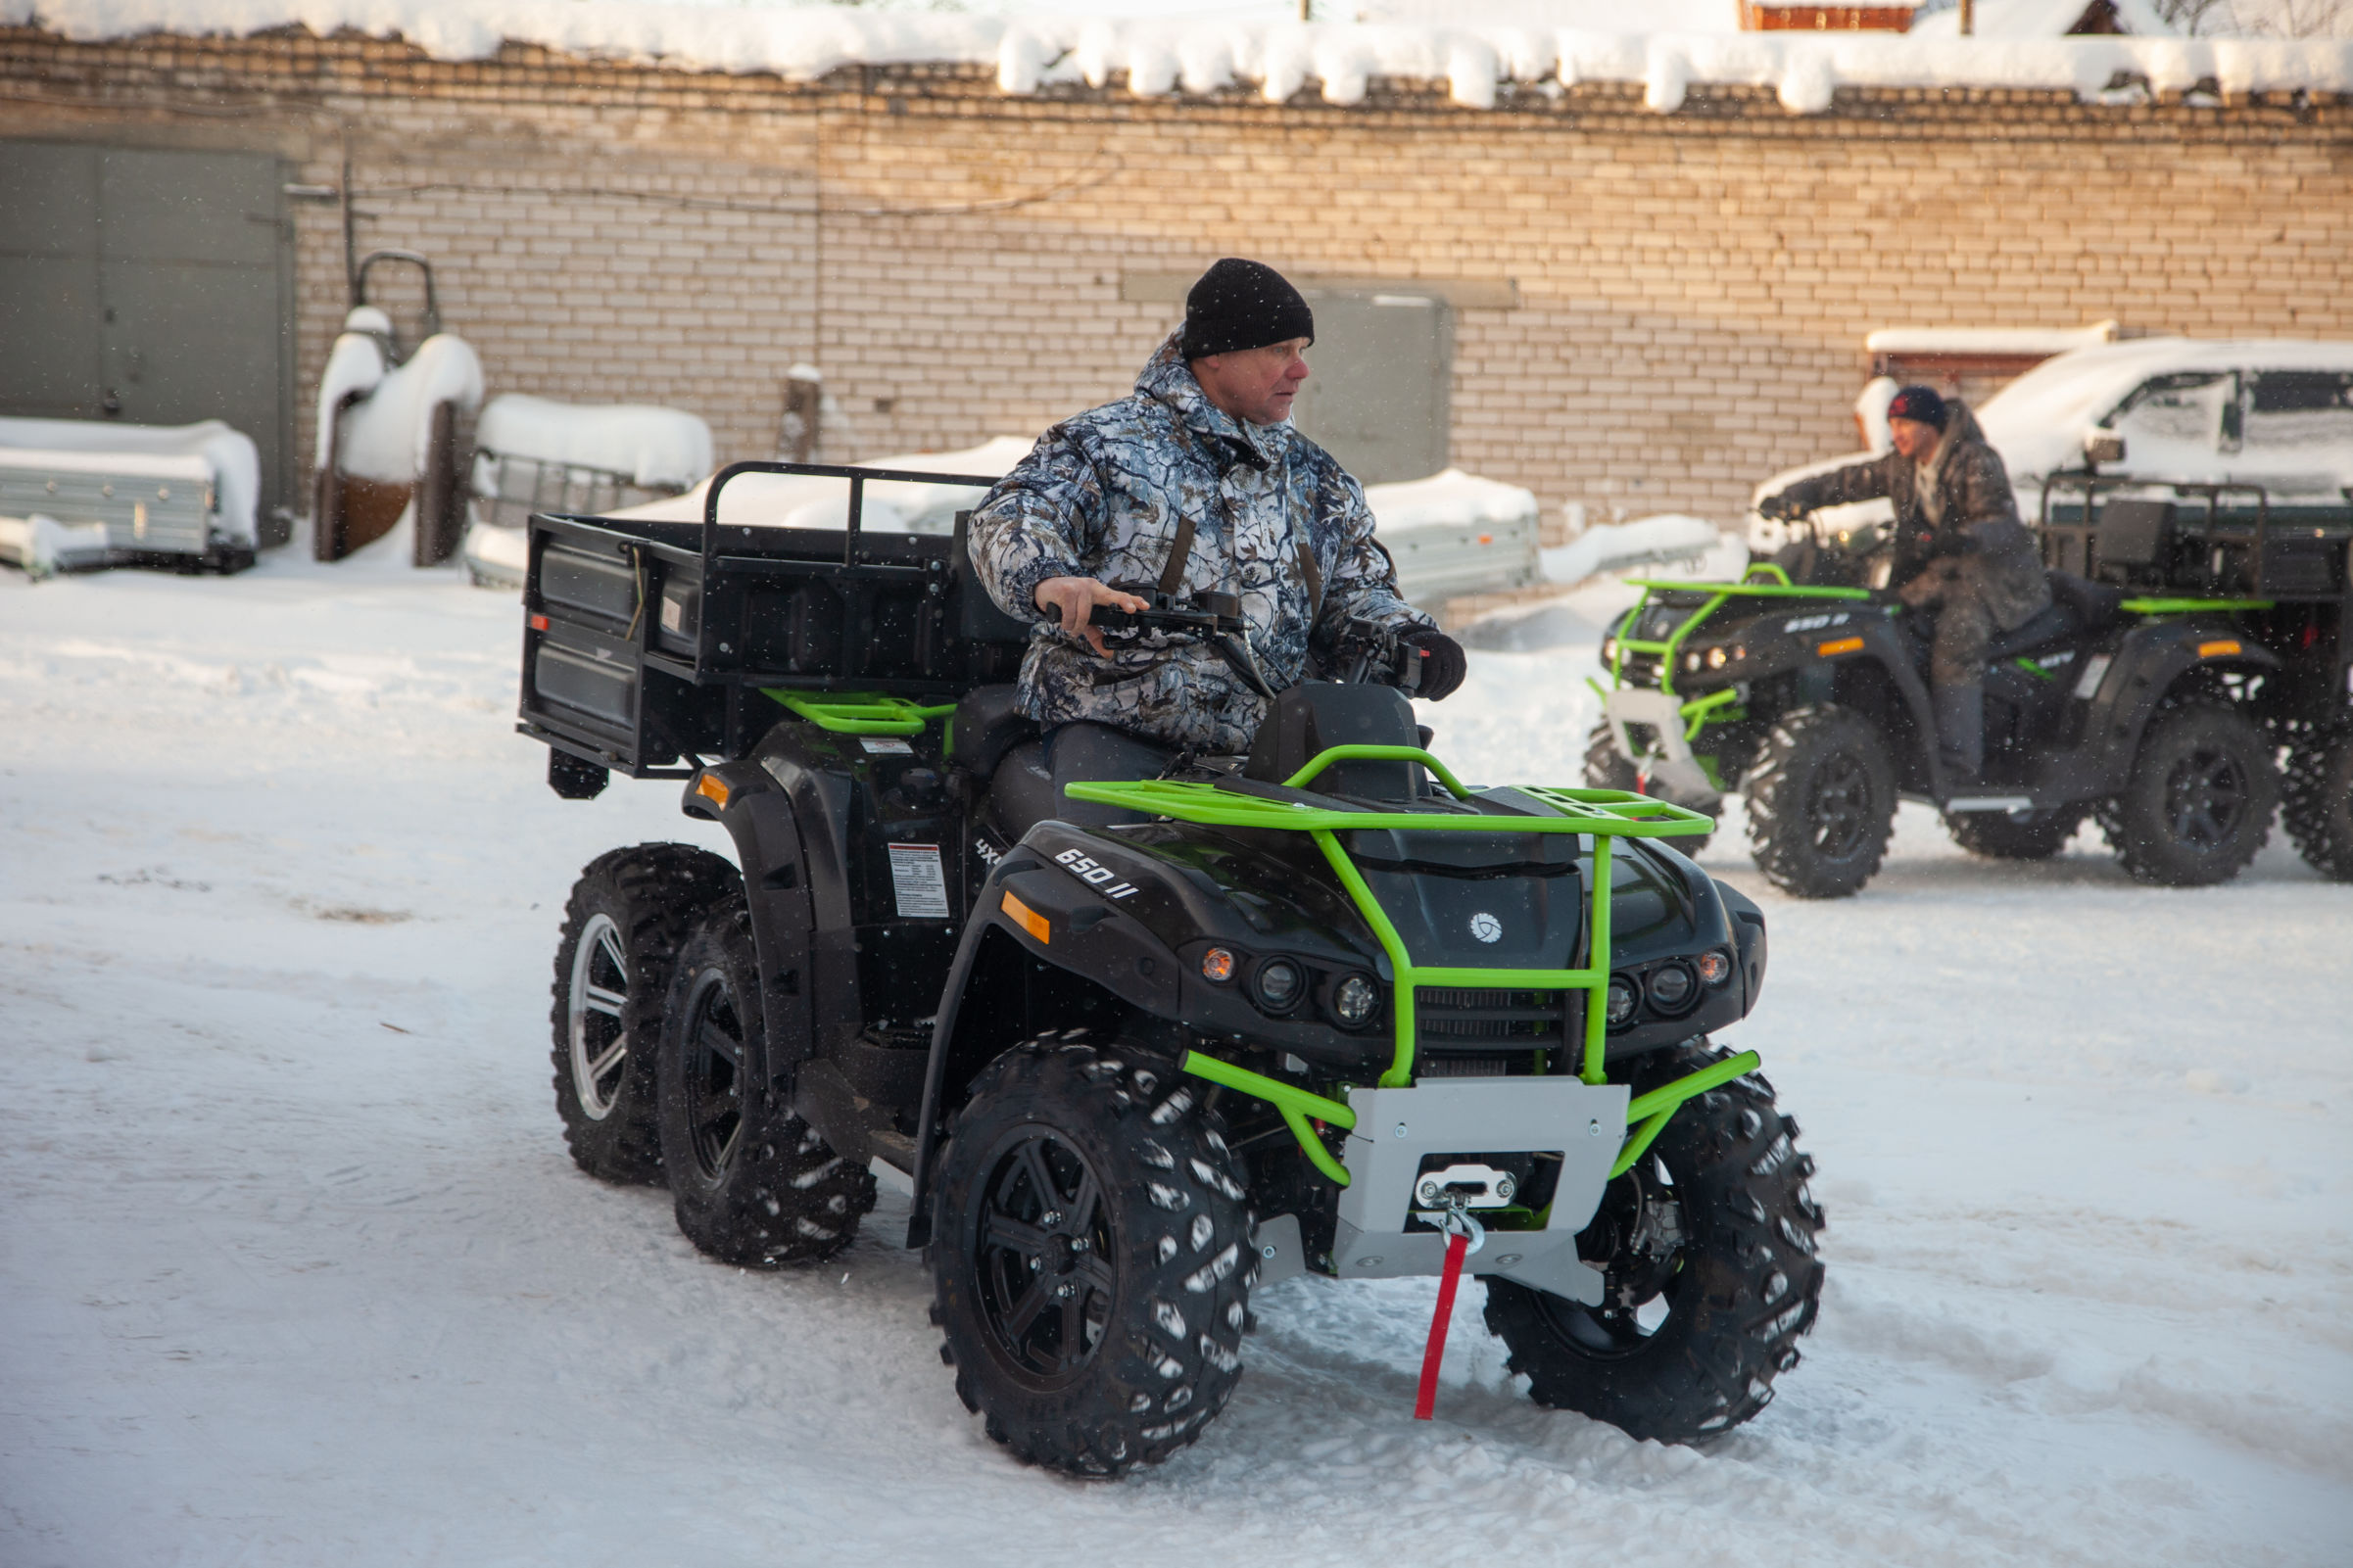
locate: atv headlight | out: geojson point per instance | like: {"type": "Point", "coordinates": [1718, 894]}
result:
{"type": "Point", "coordinates": [1715, 658]}
{"type": "Point", "coordinates": [1672, 987]}
{"type": "Point", "coordinates": [1355, 1000]}
{"type": "Point", "coordinates": [1277, 984]}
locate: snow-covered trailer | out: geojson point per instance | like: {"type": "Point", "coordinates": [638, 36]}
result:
{"type": "Point", "coordinates": [116, 495]}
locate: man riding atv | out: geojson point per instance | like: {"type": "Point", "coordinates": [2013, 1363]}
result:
{"type": "Point", "coordinates": [1195, 485]}
{"type": "Point", "coordinates": [1960, 552]}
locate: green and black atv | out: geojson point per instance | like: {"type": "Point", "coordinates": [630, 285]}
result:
{"type": "Point", "coordinates": [2194, 633]}
{"type": "Point", "coordinates": [1323, 1009]}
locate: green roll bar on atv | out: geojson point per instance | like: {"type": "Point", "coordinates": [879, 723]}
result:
{"type": "Point", "coordinates": [1605, 814]}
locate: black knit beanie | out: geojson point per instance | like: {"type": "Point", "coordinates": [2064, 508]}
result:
{"type": "Point", "coordinates": [1242, 305]}
{"type": "Point", "coordinates": [1920, 404]}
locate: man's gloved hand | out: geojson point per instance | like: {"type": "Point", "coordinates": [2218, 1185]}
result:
{"type": "Point", "coordinates": [1443, 663]}
{"type": "Point", "coordinates": [1778, 507]}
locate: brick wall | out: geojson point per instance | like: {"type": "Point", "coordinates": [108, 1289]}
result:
{"type": "Point", "coordinates": [1693, 289]}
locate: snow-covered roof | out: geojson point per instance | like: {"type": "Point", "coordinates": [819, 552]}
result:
{"type": "Point", "coordinates": [1988, 340]}
{"type": "Point", "coordinates": [1157, 56]}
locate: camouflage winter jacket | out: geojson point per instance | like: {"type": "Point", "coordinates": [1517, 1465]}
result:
{"type": "Point", "coordinates": [1100, 496]}
{"type": "Point", "coordinates": [1969, 512]}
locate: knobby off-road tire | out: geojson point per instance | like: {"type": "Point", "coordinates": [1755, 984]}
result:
{"type": "Point", "coordinates": [1607, 768]}
{"type": "Point", "coordinates": [622, 925]}
{"type": "Point", "coordinates": [753, 1183]}
{"type": "Point", "coordinates": [1708, 1246]}
{"type": "Point", "coordinates": [1821, 802]}
{"type": "Point", "coordinates": [2199, 800]}
{"type": "Point", "coordinates": [2315, 801]}
{"type": "Point", "coordinates": [1998, 835]}
{"type": "Point", "coordinates": [1093, 1256]}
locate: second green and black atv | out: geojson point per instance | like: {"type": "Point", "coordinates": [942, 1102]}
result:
{"type": "Point", "coordinates": [1318, 1010]}
{"type": "Point", "coordinates": [2195, 635]}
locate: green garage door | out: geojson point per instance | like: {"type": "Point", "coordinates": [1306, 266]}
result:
{"type": "Point", "coordinates": [151, 286]}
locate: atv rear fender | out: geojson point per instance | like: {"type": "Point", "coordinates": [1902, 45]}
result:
{"type": "Point", "coordinates": [2150, 663]}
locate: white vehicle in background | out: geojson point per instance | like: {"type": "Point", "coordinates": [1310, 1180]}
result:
{"type": "Point", "coordinates": [2220, 427]}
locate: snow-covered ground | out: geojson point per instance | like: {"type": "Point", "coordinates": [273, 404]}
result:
{"type": "Point", "coordinates": [294, 1270]}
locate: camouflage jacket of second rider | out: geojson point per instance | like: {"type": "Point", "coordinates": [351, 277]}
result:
{"type": "Point", "coordinates": [1100, 496]}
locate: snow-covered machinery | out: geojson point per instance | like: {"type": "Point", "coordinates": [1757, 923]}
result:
{"type": "Point", "coordinates": [76, 493]}
{"type": "Point", "coordinates": [387, 449]}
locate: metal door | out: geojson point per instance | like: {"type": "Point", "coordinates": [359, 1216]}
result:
{"type": "Point", "coordinates": [152, 286]}
{"type": "Point", "coordinates": [1380, 374]}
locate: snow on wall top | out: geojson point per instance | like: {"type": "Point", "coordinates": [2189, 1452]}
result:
{"type": "Point", "coordinates": [1162, 56]}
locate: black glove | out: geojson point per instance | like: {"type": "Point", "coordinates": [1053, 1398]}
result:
{"type": "Point", "coordinates": [1443, 663]}
{"type": "Point", "coordinates": [1780, 508]}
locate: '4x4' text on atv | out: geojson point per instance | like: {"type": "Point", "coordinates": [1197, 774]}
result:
{"type": "Point", "coordinates": [1317, 1009]}
{"type": "Point", "coordinates": [2191, 637]}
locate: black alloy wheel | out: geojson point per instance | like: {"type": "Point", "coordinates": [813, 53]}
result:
{"type": "Point", "coordinates": [751, 1182]}
{"type": "Point", "coordinates": [1821, 802]}
{"type": "Point", "coordinates": [2207, 798]}
{"type": "Point", "coordinates": [1838, 807]}
{"type": "Point", "coordinates": [712, 1079]}
{"type": "Point", "coordinates": [1045, 1286]}
{"type": "Point", "coordinates": [1091, 1256]}
{"type": "Point", "coordinates": [2200, 798]}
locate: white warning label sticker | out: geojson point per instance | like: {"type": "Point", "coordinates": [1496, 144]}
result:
{"type": "Point", "coordinates": [885, 748]}
{"type": "Point", "coordinates": [916, 876]}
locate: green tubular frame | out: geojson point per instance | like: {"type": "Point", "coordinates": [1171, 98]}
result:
{"type": "Point", "coordinates": [1719, 594]}
{"type": "Point", "coordinates": [1295, 1104]}
{"type": "Point", "coordinates": [1607, 814]}
{"type": "Point", "coordinates": [858, 712]}
{"type": "Point", "coordinates": [2189, 606]}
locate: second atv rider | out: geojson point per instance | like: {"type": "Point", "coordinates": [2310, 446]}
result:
{"type": "Point", "coordinates": [1194, 484]}
{"type": "Point", "coordinates": [1962, 553]}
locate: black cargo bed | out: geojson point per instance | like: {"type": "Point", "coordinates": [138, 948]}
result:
{"type": "Point", "coordinates": [648, 645]}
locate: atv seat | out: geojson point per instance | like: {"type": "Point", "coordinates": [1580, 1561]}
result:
{"type": "Point", "coordinates": [986, 726]}
{"type": "Point", "coordinates": [2077, 606]}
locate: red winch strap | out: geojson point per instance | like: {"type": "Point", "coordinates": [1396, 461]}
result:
{"type": "Point", "coordinates": [1427, 1400]}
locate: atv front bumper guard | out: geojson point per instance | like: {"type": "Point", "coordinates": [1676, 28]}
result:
{"type": "Point", "coordinates": [1667, 768]}
{"type": "Point", "coordinates": [1586, 1113]}
{"type": "Point", "coordinates": [1392, 1135]}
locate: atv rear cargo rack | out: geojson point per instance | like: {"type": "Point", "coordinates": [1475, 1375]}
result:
{"type": "Point", "coordinates": [652, 643]}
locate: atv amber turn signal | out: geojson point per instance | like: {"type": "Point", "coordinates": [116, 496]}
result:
{"type": "Point", "coordinates": [712, 790]}
{"type": "Point", "coordinates": [2216, 651]}
{"type": "Point", "coordinates": [1843, 644]}
{"type": "Point", "coordinates": [1028, 919]}
{"type": "Point", "coordinates": [1217, 965]}
{"type": "Point", "coordinates": [1715, 968]}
